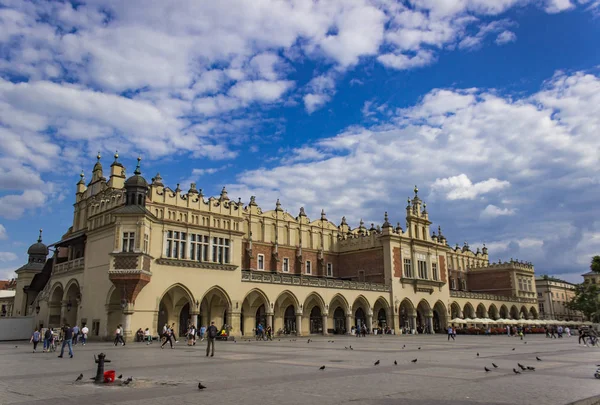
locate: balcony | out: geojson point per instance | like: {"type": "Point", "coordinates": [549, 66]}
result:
{"type": "Point", "coordinates": [310, 281]}
{"type": "Point", "coordinates": [491, 297]}
{"type": "Point", "coordinates": [70, 266]}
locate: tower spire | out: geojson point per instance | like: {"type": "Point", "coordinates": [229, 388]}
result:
{"type": "Point", "coordinates": [137, 171]}
{"type": "Point", "coordinates": [40, 237]}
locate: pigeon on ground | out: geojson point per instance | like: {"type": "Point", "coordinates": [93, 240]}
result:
{"type": "Point", "coordinates": [513, 349]}
{"type": "Point", "coordinates": [200, 386]}
{"type": "Point", "coordinates": [413, 361]}
{"type": "Point", "coordinates": [419, 348]}
{"type": "Point", "coordinates": [351, 348]}
{"type": "Point", "coordinates": [332, 341]}
{"type": "Point", "coordinates": [522, 367]}
{"type": "Point", "coordinates": [516, 372]}
{"type": "Point", "coordinates": [403, 346]}
{"type": "Point", "coordinates": [120, 376]}
{"type": "Point", "coordinates": [322, 368]}
{"type": "Point", "coordinates": [79, 378]}
{"type": "Point", "coordinates": [524, 342]}
{"type": "Point", "coordinates": [376, 363]}
{"type": "Point", "coordinates": [395, 363]}
{"type": "Point", "coordinates": [16, 347]}
{"type": "Point", "coordinates": [486, 369]}
{"type": "Point", "coordinates": [537, 358]}
{"type": "Point", "coordinates": [477, 354]}
{"type": "Point", "coordinates": [127, 381]}
{"type": "Point", "coordinates": [530, 368]}
{"type": "Point", "coordinates": [495, 366]}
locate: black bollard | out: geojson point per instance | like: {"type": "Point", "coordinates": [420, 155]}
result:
{"type": "Point", "coordinates": [100, 372]}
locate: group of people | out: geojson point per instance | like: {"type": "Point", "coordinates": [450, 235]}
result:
{"type": "Point", "coordinates": [262, 333]}
{"type": "Point", "coordinates": [67, 334]}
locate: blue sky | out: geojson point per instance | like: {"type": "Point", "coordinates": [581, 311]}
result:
{"type": "Point", "coordinates": [491, 107]}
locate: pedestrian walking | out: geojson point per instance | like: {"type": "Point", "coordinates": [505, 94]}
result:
{"type": "Point", "coordinates": [84, 334]}
{"type": "Point", "coordinates": [119, 336]}
{"type": "Point", "coordinates": [75, 334]}
{"type": "Point", "coordinates": [47, 339]}
{"type": "Point", "coordinates": [168, 338]}
{"type": "Point", "coordinates": [36, 336]}
{"type": "Point", "coordinates": [67, 340]}
{"type": "Point", "coordinates": [173, 333]}
{"type": "Point", "coordinates": [450, 333]}
{"type": "Point", "coordinates": [202, 332]}
{"type": "Point", "coordinates": [211, 333]}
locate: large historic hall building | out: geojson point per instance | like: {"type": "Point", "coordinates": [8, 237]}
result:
{"type": "Point", "coordinates": [142, 254]}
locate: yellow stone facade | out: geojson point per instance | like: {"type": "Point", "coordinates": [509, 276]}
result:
{"type": "Point", "coordinates": [141, 254]}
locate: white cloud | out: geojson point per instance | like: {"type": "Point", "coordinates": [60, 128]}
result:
{"type": "Point", "coordinates": [506, 37]}
{"type": "Point", "coordinates": [461, 188]}
{"type": "Point", "coordinates": [402, 61]}
{"type": "Point", "coordinates": [3, 234]}
{"type": "Point", "coordinates": [13, 206]}
{"type": "Point", "coordinates": [260, 90]}
{"type": "Point", "coordinates": [7, 256]}
{"type": "Point", "coordinates": [320, 90]}
{"type": "Point", "coordinates": [492, 211]}
{"type": "Point", "coordinates": [556, 6]}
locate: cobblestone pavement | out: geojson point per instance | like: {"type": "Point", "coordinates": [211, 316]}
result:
{"type": "Point", "coordinates": [287, 372]}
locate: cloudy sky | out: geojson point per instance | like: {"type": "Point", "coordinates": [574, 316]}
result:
{"type": "Point", "coordinates": [492, 107]}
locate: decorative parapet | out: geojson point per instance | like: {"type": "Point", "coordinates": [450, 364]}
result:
{"type": "Point", "coordinates": [197, 265]}
{"type": "Point", "coordinates": [71, 265]}
{"type": "Point", "coordinates": [491, 297]}
{"type": "Point", "coordinates": [310, 281]}
{"type": "Point", "coordinates": [512, 264]}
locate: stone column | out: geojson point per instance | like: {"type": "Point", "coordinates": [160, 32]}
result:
{"type": "Point", "coordinates": [236, 324]}
{"type": "Point", "coordinates": [370, 322]}
{"type": "Point", "coordinates": [126, 321]}
{"type": "Point", "coordinates": [325, 325]}
{"type": "Point", "coordinates": [348, 324]}
{"type": "Point", "coordinates": [413, 323]}
{"type": "Point", "coordinates": [429, 319]}
{"type": "Point", "coordinates": [63, 312]}
{"type": "Point", "coordinates": [194, 319]}
{"type": "Point", "coordinates": [298, 323]}
{"type": "Point", "coordinates": [270, 320]}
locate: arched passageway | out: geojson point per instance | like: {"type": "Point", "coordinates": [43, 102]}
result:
{"type": "Point", "coordinates": [481, 311]}
{"type": "Point", "coordinates": [339, 321]}
{"type": "Point", "coordinates": [406, 315]}
{"type": "Point", "coordinates": [316, 320]}
{"type": "Point", "coordinates": [254, 311]}
{"type": "Point", "coordinates": [284, 313]}
{"type": "Point", "coordinates": [215, 307]}
{"type": "Point", "coordinates": [55, 307]}
{"type": "Point", "coordinates": [493, 312]}
{"type": "Point", "coordinates": [72, 299]}
{"type": "Point", "coordinates": [424, 317]}
{"type": "Point", "coordinates": [338, 308]}
{"type": "Point", "coordinates": [514, 312]}
{"type": "Point", "coordinates": [360, 309]}
{"type": "Point", "coordinates": [504, 312]}
{"type": "Point", "coordinates": [455, 311]}
{"type": "Point", "coordinates": [469, 311]}
{"type": "Point", "coordinates": [174, 309]}
{"type": "Point", "coordinates": [439, 317]}
{"type": "Point", "coordinates": [533, 313]}
{"type": "Point", "coordinates": [313, 309]}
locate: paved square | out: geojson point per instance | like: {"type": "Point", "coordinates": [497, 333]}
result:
{"type": "Point", "coordinates": [287, 372]}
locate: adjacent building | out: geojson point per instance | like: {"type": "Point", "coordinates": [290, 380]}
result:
{"type": "Point", "coordinates": [553, 294]}
{"type": "Point", "coordinates": [143, 254]}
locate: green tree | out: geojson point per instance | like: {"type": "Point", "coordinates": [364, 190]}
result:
{"type": "Point", "coordinates": [586, 301]}
{"type": "Point", "coordinates": [595, 266]}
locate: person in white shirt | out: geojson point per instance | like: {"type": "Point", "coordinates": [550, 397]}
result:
{"type": "Point", "coordinates": [147, 336]}
{"type": "Point", "coordinates": [119, 336]}
{"type": "Point", "coordinates": [84, 334]}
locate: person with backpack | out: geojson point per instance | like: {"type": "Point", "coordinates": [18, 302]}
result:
{"type": "Point", "coordinates": [35, 339]}
{"type": "Point", "coordinates": [211, 333]}
{"type": "Point", "coordinates": [47, 339]}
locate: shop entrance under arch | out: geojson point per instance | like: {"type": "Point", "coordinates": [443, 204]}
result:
{"type": "Point", "coordinates": [316, 320]}
{"type": "Point", "coordinates": [289, 319]}
{"type": "Point", "coordinates": [339, 321]}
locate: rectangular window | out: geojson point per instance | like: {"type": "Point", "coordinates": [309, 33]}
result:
{"type": "Point", "coordinates": [539, 295]}
{"type": "Point", "coordinates": [408, 269]}
{"type": "Point", "coordinates": [520, 284]}
{"type": "Point", "coordinates": [452, 284]}
{"type": "Point", "coordinates": [261, 262]}
{"type": "Point", "coordinates": [199, 247]}
{"type": "Point", "coordinates": [146, 243]}
{"type": "Point", "coordinates": [422, 266]}
{"type": "Point", "coordinates": [176, 245]}
{"type": "Point", "coordinates": [541, 307]}
{"type": "Point", "coordinates": [286, 265]}
{"type": "Point", "coordinates": [308, 267]}
{"type": "Point", "coordinates": [128, 241]}
{"type": "Point", "coordinates": [434, 271]}
{"type": "Point", "coordinates": [221, 250]}
{"type": "Point", "coordinates": [329, 269]}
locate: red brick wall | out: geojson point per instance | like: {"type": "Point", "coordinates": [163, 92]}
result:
{"type": "Point", "coordinates": [443, 273]}
{"type": "Point", "coordinates": [370, 261]}
{"type": "Point", "coordinates": [397, 262]}
{"type": "Point", "coordinates": [490, 281]}
{"type": "Point", "coordinates": [295, 267]}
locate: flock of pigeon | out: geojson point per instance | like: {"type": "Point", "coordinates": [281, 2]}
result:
{"type": "Point", "coordinates": [487, 370]}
